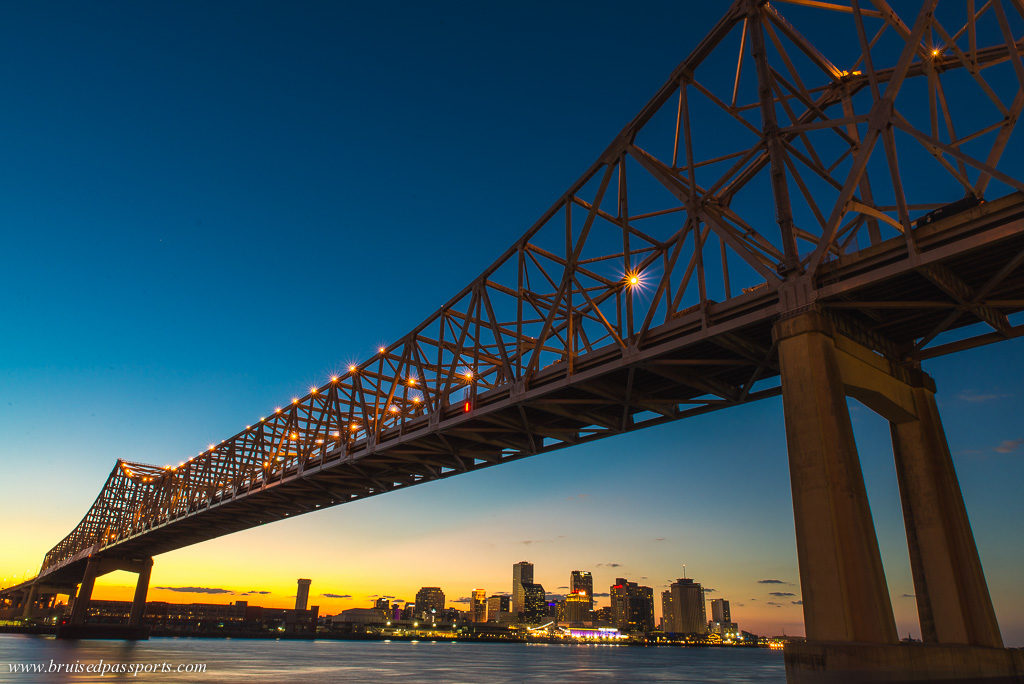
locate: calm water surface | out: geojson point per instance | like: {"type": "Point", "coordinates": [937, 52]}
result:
{"type": "Point", "coordinates": [258, 660]}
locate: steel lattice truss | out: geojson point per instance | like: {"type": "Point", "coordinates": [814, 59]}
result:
{"type": "Point", "coordinates": [760, 175]}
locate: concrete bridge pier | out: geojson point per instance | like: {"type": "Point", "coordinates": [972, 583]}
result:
{"type": "Point", "coordinates": [77, 627]}
{"type": "Point", "coordinates": [851, 633]}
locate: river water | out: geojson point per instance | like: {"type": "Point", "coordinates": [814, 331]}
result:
{"type": "Point", "coordinates": [269, 660]}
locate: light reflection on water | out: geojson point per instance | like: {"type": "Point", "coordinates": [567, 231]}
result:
{"type": "Point", "coordinates": [255, 660]}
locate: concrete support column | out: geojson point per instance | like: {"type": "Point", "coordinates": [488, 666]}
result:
{"type": "Point", "coordinates": [845, 597]}
{"type": "Point", "coordinates": [78, 611]}
{"type": "Point", "coordinates": [141, 589]}
{"type": "Point", "coordinates": [30, 600]}
{"type": "Point", "coordinates": [952, 596]}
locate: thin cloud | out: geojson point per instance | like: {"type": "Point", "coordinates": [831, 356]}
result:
{"type": "Point", "coordinates": [462, 599]}
{"type": "Point", "coordinates": [797, 603]}
{"type": "Point", "coordinates": [773, 603]}
{"type": "Point", "coordinates": [781, 594]}
{"type": "Point", "coordinates": [561, 587]}
{"type": "Point", "coordinates": [1009, 446]}
{"type": "Point", "coordinates": [198, 590]}
{"type": "Point", "coordinates": [908, 596]}
{"type": "Point", "coordinates": [771, 581]}
{"type": "Point", "coordinates": [337, 596]}
{"type": "Point", "coordinates": [659, 539]}
{"type": "Point", "coordinates": [975, 398]}
{"type": "Point", "coordinates": [609, 565]}
{"type": "Point", "coordinates": [603, 594]}
{"type": "Point", "coordinates": [708, 590]}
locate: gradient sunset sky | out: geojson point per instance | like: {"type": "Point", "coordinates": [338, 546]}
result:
{"type": "Point", "coordinates": [209, 207]}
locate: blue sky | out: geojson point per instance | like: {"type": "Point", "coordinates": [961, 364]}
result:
{"type": "Point", "coordinates": [208, 207]}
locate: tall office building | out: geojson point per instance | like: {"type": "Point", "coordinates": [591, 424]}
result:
{"type": "Point", "coordinates": [632, 606]}
{"type": "Point", "coordinates": [575, 609]}
{"type": "Point", "coordinates": [499, 609]}
{"type": "Point", "coordinates": [689, 615]}
{"type": "Point", "coordinates": [478, 606]}
{"type": "Point", "coordinates": [522, 574]}
{"type": "Point", "coordinates": [582, 582]}
{"type": "Point", "coordinates": [429, 602]}
{"type": "Point", "coordinates": [302, 596]}
{"type": "Point", "coordinates": [535, 604]}
{"type": "Point", "coordinates": [720, 611]}
{"type": "Point", "coordinates": [667, 611]}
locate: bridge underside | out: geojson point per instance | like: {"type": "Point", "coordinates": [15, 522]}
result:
{"type": "Point", "coordinates": [700, 362]}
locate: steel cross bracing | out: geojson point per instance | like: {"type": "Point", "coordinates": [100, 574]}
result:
{"type": "Point", "coordinates": [796, 161]}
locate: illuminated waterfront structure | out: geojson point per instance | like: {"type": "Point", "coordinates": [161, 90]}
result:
{"type": "Point", "coordinates": [522, 574]}
{"type": "Point", "coordinates": [581, 581]}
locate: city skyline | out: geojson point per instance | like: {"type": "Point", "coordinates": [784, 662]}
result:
{"type": "Point", "coordinates": [110, 313]}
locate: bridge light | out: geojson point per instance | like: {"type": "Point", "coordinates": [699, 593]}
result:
{"type": "Point", "coordinates": [466, 407]}
{"type": "Point", "coordinates": [468, 374]}
{"type": "Point", "coordinates": [295, 400]}
{"type": "Point", "coordinates": [352, 368]}
{"type": "Point", "coordinates": [633, 279]}
{"type": "Point", "coordinates": [412, 380]}
{"type": "Point", "coordinates": [248, 426]}
{"type": "Point", "coordinates": [380, 350]}
{"type": "Point", "coordinates": [277, 410]}
{"type": "Point", "coordinates": [295, 435]}
{"type": "Point", "coordinates": [415, 400]}
{"type": "Point", "coordinates": [393, 408]}
{"type": "Point", "coordinates": [335, 434]}
{"type": "Point", "coordinates": [354, 427]}
{"type": "Point", "coordinates": [936, 52]}
{"type": "Point", "coordinates": [210, 447]}
{"type": "Point", "coordinates": [312, 390]}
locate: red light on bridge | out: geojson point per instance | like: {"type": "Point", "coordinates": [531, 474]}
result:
{"type": "Point", "coordinates": [467, 407]}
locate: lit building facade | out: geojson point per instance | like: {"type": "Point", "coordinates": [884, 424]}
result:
{"type": "Point", "coordinates": [522, 574]}
{"type": "Point", "coordinates": [689, 615]}
{"type": "Point", "coordinates": [582, 582]}
{"type": "Point", "coordinates": [574, 609]}
{"type": "Point", "coordinates": [535, 605]}
{"type": "Point", "coordinates": [429, 602]}
{"type": "Point", "coordinates": [478, 606]}
{"type": "Point", "coordinates": [632, 606]}
{"type": "Point", "coordinates": [667, 612]}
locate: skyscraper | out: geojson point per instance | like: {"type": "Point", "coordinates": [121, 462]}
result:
{"type": "Point", "coordinates": [575, 609]}
{"type": "Point", "coordinates": [632, 606]}
{"type": "Point", "coordinates": [667, 612]}
{"type": "Point", "coordinates": [499, 609]}
{"type": "Point", "coordinates": [478, 606]}
{"type": "Point", "coordinates": [522, 574]}
{"type": "Point", "coordinates": [582, 582]}
{"type": "Point", "coordinates": [429, 602]}
{"type": "Point", "coordinates": [720, 611]}
{"type": "Point", "coordinates": [689, 615]}
{"type": "Point", "coordinates": [535, 605]}
{"type": "Point", "coordinates": [302, 596]}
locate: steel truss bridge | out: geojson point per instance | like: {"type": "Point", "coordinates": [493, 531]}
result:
{"type": "Point", "coordinates": [839, 157]}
